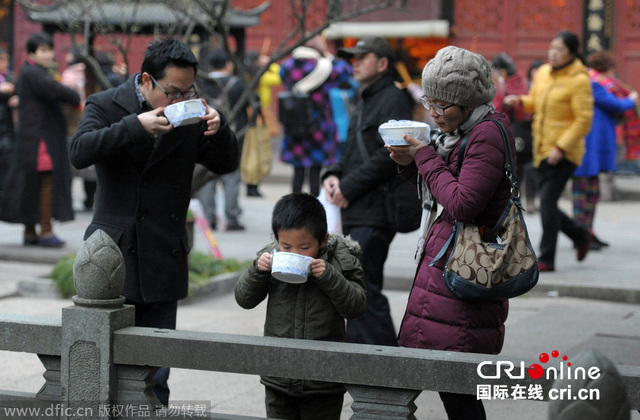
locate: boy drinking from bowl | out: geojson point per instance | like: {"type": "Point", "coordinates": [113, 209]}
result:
{"type": "Point", "coordinates": [312, 310]}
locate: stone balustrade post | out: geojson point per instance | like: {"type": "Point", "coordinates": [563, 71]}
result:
{"type": "Point", "coordinates": [88, 376]}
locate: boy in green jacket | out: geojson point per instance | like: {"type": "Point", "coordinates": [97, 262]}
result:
{"type": "Point", "coordinates": [313, 310]}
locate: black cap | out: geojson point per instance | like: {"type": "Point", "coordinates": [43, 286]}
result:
{"type": "Point", "coordinates": [375, 44]}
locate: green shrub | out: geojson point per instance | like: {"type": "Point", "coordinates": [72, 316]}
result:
{"type": "Point", "coordinates": [62, 275]}
{"type": "Point", "coordinates": [201, 268]}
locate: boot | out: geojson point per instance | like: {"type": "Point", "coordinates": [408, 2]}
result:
{"type": "Point", "coordinates": [252, 191]}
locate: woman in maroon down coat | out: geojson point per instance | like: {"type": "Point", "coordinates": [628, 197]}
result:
{"type": "Point", "coordinates": [458, 92]}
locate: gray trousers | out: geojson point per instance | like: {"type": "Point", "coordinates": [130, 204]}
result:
{"type": "Point", "coordinates": [231, 186]}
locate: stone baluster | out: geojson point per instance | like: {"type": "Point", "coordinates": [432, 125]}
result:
{"type": "Point", "coordinates": [371, 402]}
{"type": "Point", "coordinates": [51, 388]}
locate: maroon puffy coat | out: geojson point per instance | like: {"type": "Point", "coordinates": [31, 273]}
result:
{"type": "Point", "coordinates": [435, 318]}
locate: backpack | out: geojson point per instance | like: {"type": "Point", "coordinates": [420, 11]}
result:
{"type": "Point", "coordinates": [295, 113]}
{"type": "Point", "coordinates": [295, 108]}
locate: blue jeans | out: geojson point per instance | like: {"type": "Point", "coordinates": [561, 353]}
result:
{"type": "Point", "coordinates": [158, 315]}
{"type": "Point", "coordinates": [551, 183]}
{"type": "Point", "coordinates": [376, 325]}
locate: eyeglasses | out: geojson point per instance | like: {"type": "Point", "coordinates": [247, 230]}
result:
{"type": "Point", "coordinates": [438, 109]}
{"type": "Point", "coordinates": [172, 96]}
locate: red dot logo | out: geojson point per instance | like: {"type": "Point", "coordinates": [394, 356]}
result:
{"type": "Point", "coordinates": [544, 357]}
{"type": "Point", "coordinates": [535, 371]}
{"type": "Point", "coordinates": [555, 353]}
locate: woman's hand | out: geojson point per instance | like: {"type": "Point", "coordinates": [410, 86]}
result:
{"type": "Point", "coordinates": [556, 155]}
{"type": "Point", "coordinates": [511, 100]}
{"type": "Point", "coordinates": [404, 155]}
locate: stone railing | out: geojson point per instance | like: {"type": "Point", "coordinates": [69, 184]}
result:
{"type": "Point", "coordinates": [99, 366]}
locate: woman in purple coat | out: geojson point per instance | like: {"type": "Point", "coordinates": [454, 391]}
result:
{"type": "Point", "coordinates": [458, 93]}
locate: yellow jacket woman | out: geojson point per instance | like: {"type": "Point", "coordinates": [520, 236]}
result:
{"type": "Point", "coordinates": [563, 104]}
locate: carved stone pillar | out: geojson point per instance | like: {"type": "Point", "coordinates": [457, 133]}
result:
{"type": "Point", "coordinates": [88, 375]}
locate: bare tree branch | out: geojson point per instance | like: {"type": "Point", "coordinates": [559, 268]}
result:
{"type": "Point", "coordinates": [210, 16]}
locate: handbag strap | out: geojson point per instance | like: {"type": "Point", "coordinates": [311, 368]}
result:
{"type": "Point", "coordinates": [509, 166]}
{"type": "Point", "coordinates": [509, 170]}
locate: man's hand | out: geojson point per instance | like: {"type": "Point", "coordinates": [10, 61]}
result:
{"type": "Point", "coordinates": [7, 88]}
{"type": "Point", "coordinates": [154, 122]}
{"type": "Point", "coordinates": [334, 195]}
{"type": "Point", "coordinates": [212, 117]}
{"type": "Point", "coordinates": [264, 262]}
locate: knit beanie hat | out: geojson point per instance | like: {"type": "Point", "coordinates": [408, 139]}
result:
{"type": "Point", "coordinates": [458, 76]}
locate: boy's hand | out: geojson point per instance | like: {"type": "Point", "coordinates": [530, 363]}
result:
{"type": "Point", "coordinates": [264, 262]}
{"type": "Point", "coordinates": [318, 267]}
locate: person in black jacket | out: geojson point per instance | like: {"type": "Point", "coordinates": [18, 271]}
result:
{"type": "Point", "coordinates": [38, 186]}
{"type": "Point", "coordinates": [144, 168]}
{"type": "Point", "coordinates": [355, 182]}
{"type": "Point", "coordinates": [7, 90]}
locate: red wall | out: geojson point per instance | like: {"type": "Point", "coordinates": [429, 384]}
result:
{"type": "Point", "coordinates": [521, 29]}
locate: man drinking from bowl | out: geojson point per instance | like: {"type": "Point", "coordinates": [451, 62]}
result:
{"type": "Point", "coordinates": [144, 167]}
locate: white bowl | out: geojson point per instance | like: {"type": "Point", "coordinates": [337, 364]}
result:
{"type": "Point", "coordinates": [392, 131]}
{"type": "Point", "coordinates": [289, 267]}
{"type": "Point", "coordinates": [185, 112]}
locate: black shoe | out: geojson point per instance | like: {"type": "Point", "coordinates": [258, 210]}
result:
{"type": "Point", "coordinates": [596, 240]}
{"type": "Point", "coordinates": [594, 246]}
{"type": "Point", "coordinates": [235, 227]}
{"type": "Point", "coordinates": [252, 191]}
{"type": "Point", "coordinates": [30, 240]}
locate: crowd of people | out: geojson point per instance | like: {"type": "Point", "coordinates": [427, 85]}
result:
{"type": "Point", "coordinates": [561, 120]}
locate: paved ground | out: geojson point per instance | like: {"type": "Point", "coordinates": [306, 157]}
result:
{"type": "Point", "coordinates": [589, 304]}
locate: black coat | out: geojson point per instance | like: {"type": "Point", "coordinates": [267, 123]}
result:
{"type": "Point", "coordinates": [144, 185]}
{"type": "Point", "coordinates": [360, 179]}
{"type": "Point", "coordinates": [40, 117]}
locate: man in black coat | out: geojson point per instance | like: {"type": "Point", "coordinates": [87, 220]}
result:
{"type": "Point", "coordinates": [354, 183]}
{"type": "Point", "coordinates": [144, 167]}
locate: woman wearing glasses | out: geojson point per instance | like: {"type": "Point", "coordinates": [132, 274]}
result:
{"type": "Point", "coordinates": [458, 93]}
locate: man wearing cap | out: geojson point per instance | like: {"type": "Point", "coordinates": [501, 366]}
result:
{"type": "Point", "coordinates": [355, 182]}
